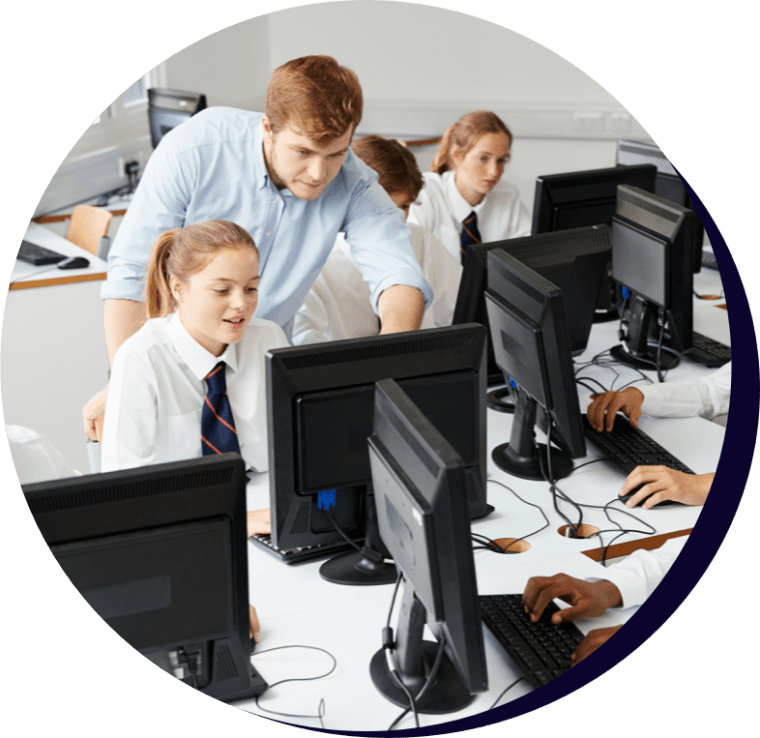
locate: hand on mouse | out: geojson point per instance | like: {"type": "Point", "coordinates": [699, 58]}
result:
{"type": "Point", "coordinates": [587, 599]}
{"type": "Point", "coordinates": [259, 522]}
{"type": "Point", "coordinates": [601, 412]}
{"type": "Point", "coordinates": [660, 483]}
{"type": "Point", "coordinates": [93, 410]}
{"type": "Point", "coordinates": [592, 641]}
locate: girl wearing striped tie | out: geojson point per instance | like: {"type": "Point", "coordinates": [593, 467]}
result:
{"type": "Point", "coordinates": [460, 202]}
{"type": "Point", "coordinates": [191, 381]}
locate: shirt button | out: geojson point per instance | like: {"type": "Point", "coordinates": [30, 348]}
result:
{"type": "Point", "coordinates": [268, 234]}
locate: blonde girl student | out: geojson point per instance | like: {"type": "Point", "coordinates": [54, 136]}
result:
{"type": "Point", "coordinates": [338, 305]}
{"type": "Point", "coordinates": [465, 201]}
{"type": "Point", "coordinates": [191, 381]}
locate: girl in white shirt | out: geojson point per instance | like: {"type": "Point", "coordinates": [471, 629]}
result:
{"type": "Point", "coordinates": [465, 179]}
{"type": "Point", "coordinates": [338, 305]}
{"type": "Point", "coordinates": [201, 293]}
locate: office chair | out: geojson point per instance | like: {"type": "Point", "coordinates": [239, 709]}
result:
{"type": "Point", "coordinates": [88, 228]}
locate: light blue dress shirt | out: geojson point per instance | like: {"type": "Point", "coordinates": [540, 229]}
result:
{"type": "Point", "coordinates": [212, 167]}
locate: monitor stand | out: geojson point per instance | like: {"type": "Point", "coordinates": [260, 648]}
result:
{"type": "Point", "coordinates": [412, 662]}
{"type": "Point", "coordinates": [636, 350]}
{"type": "Point", "coordinates": [367, 567]}
{"type": "Point", "coordinates": [522, 456]}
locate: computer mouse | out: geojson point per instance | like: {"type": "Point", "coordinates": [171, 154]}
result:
{"type": "Point", "coordinates": [664, 503]}
{"type": "Point", "coordinates": [74, 262]}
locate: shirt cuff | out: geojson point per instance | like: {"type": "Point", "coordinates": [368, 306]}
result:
{"type": "Point", "coordinates": [406, 277]}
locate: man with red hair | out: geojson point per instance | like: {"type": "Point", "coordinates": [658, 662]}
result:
{"type": "Point", "coordinates": [289, 178]}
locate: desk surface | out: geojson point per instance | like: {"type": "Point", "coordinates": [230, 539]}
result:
{"type": "Point", "coordinates": [26, 276]}
{"type": "Point", "coordinates": [348, 621]}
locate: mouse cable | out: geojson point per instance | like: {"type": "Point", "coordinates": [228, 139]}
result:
{"type": "Point", "coordinates": [498, 549]}
{"type": "Point", "coordinates": [582, 382]}
{"type": "Point", "coordinates": [573, 527]}
{"type": "Point", "coordinates": [321, 709]}
{"type": "Point", "coordinates": [498, 699]}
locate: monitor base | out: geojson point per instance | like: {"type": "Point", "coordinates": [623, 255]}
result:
{"type": "Point", "coordinates": [355, 569]}
{"type": "Point", "coordinates": [531, 468]}
{"type": "Point", "coordinates": [446, 694]}
{"type": "Point", "coordinates": [667, 359]}
{"type": "Point", "coordinates": [496, 400]}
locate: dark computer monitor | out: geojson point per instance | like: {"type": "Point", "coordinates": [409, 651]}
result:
{"type": "Point", "coordinates": [168, 108]}
{"type": "Point", "coordinates": [319, 414]}
{"type": "Point", "coordinates": [421, 499]}
{"type": "Point", "coordinates": [160, 554]}
{"type": "Point", "coordinates": [668, 184]}
{"type": "Point", "coordinates": [532, 346]}
{"type": "Point", "coordinates": [652, 256]}
{"type": "Point", "coordinates": [575, 260]}
{"type": "Point", "coordinates": [577, 199]}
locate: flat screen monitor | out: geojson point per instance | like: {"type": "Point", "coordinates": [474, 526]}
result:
{"type": "Point", "coordinates": [668, 185]}
{"type": "Point", "coordinates": [320, 408]}
{"type": "Point", "coordinates": [575, 260]}
{"type": "Point", "coordinates": [168, 108]}
{"type": "Point", "coordinates": [421, 498]}
{"type": "Point", "coordinates": [652, 256]}
{"type": "Point", "coordinates": [160, 554]}
{"type": "Point", "coordinates": [531, 343]}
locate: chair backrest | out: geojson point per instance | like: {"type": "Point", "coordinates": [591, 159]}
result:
{"type": "Point", "coordinates": [87, 226]}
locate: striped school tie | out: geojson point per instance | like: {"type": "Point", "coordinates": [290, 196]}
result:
{"type": "Point", "coordinates": [218, 434]}
{"type": "Point", "coordinates": [470, 234]}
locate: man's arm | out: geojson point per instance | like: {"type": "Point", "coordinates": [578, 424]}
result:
{"type": "Point", "coordinates": [401, 309]}
{"type": "Point", "coordinates": [121, 318]}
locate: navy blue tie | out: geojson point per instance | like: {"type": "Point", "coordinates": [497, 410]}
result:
{"type": "Point", "coordinates": [218, 434]}
{"type": "Point", "coordinates": [470, 233]}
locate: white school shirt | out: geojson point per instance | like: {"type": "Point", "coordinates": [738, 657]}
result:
{"type": "Point", "coordinates": [706, 396]}
{"type": "Point", "coordinates": [638, 575]}
{"type": "Point", "coordinates": [441, 209]}
{"type": "Point", "coordinates": [157, 391]}
{"type": "Point", "coordinates": [338, 305]}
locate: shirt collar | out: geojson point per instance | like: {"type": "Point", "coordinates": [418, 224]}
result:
{"type": "Point", "coordinates": [200, 361]}
{"type": "Point", "coordinates": [459, 206]}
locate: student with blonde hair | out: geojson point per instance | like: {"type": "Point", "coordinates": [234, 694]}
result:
{"type": "Point", "coordinates": [465, 201]}
{"type": "Point", "coordinates": [191, 381]}
{"type": "Point", "coordinates": [339, 303]}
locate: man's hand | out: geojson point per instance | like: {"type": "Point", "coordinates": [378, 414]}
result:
{"type": "Point", "coordinates": [663, 483]}
{"type": "Point", "coordinates": [253, 622]}
{"type": "Point", "coordinates": [601, 412]}
{"type": "Point", "coordinates": [259, 522]}
{"type": "Point", "coordinates": [587, 599]}
{"type": "Point", "coordinates": [592, 641]}
{"type": "Point", "coordinates": [93, 410]}
{"type": "Point", "coordinates": [401, 308]}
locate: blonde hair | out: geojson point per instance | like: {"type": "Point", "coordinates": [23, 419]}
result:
{"type": "Point", "coordinates": [464, 134]}
{"type": "Point", "coordinates": [183, 252]}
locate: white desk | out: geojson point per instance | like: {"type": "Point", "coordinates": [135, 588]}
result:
{"type": "Point", "coordinates": [53, 354]}
{"type": "Point", "coordinates": [296, 606]}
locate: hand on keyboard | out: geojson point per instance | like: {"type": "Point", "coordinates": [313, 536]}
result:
{"type": "Point", "coordinates": [654, 484]}
{"type": "Point", "coordinates": [587, 599]}
{"type": "Point", "coordinates": [601, 412]}
{"type": "Point", "coordinates": [592, 641]}
{"type": "Point", "coordinates": [259, 522]}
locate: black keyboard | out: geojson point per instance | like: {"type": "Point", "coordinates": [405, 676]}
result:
{"type": "Point", "coordinates": [708, 351]}
{"type": "Point", "coordinates": [298, 555]}
{"type": "Point", "coordinates": [31, 253]}
{"type": "Point", "coordinates": [541, 650]}
{"type": "Point", "coordinates": [628, 447]}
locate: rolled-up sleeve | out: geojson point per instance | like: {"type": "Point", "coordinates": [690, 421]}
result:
{"type": "Point", "coordinates": [381, 243]}
{"type": "Point", "coordinates": [706, 396]}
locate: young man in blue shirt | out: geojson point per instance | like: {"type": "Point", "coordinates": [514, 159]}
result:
{"type": "Point", "coordinates": [290, 179]}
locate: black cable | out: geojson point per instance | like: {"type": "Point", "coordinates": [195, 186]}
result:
{"type": "Point", "coordinates": [321, 709]}
{"type": "Point", "coordinates": [532, 504]}
{"type": "Point", "coordinates": [498, 699]}
{"type": "Point", "coordinates": [340, 530]}
{"type": "Point", "coordinates": [553, 486]}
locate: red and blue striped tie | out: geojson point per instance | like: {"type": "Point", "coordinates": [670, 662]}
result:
{"type": "Point", "coordinates": [218, 434]}
{"type": "Point", "coordinates": [470, 234]}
